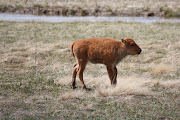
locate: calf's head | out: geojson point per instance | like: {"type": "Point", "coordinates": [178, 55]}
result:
{"type": "Point", "coordinates": [131, 46]}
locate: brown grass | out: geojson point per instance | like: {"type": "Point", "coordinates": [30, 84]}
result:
{"type": "Point", "coordinates": [164, 8]}
{"type": "Point", "coordinates": [126, 86]}
{"type": "Point", "coordinates": [162, 69]}
{"type": "Point", "coordinates": [36, 72]}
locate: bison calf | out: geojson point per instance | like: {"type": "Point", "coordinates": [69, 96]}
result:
{"type": "Point", "coordinates": [101, 50]}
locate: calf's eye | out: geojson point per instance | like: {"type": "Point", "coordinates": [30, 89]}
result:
{"type": "Point", "coordinates": [132, 44]}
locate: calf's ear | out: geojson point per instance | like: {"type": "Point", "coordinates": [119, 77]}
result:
{"type": "Point", "coordinates": [123, 41]}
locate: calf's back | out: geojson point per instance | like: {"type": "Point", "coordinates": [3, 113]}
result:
{"type": "Point", "coordinates": [99, 50]}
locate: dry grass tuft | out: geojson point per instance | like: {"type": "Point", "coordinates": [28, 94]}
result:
{"type": "Point", "coordinates": [162, 69]}
{"type": "Point", "coordinates": [63, 80]}
{"type": "Point", "coordinates": [125, 86]}
{"type": "Point", "coordinates": [174, 84]}
{"type": "Point", "coordinates": [72, 95]}
{"type": "Point", "coordinates": [26, 55]}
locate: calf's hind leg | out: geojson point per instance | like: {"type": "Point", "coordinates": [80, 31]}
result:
{"type": "Point", "coordinates": [82, 66]}
{"type": "Point", "coordinates": [75, 70]}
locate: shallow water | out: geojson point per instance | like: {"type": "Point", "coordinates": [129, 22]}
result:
{"type": "Point", "coordinates": [28, 17]}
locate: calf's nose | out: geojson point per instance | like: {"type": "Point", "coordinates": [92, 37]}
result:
{"type": "Point", "coordinates": [139, 51]}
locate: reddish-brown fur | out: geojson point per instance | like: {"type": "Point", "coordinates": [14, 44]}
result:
{"type": "Point", "coordinates": [101, 50]}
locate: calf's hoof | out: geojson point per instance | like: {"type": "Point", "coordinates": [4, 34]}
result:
{"type": "Point", "coordinates": [84, 87]}
{"type": "Point", "coordinates": [73, 87]}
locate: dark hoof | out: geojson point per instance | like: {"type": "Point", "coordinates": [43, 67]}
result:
{"type": "Point", "coordinates": [84, 87]}
{"type": "Point", "coordinates": [73, 87]}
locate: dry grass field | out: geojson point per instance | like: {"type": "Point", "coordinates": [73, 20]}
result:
{"type": "Point", "coordinates": [36, 70]}
{"type": "Point", "coordinates": [91, 3]}
{"type": "Point", "coordinates": [166, 8]}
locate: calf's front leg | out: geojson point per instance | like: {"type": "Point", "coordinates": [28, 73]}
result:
{"type": "Point", "coordinates": [112, 72]}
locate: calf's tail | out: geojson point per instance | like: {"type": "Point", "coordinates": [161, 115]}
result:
{"type": "Point", "coordinates": [71, 48]}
